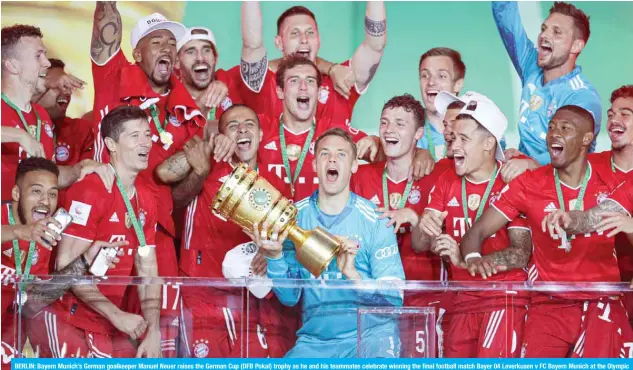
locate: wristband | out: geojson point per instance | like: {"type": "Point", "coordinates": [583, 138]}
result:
{"type": "Point", "coordinates": [471, 255]}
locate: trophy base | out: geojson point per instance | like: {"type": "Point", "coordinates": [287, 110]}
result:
{"type": "Point", "coordinates": [315, 249]}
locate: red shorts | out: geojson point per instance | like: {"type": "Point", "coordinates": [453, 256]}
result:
{"type": "Point", "coordinates": [410, 337]}
{"type": "Point", "coordinates": [53, 337]}
{"type": "Point", "coordinates": [170, 296]}
{"type": "Point", "coordinates": [559, 328]}
{"type": "Point", "coordinates": [495, 334]}
{"type": "Point", "coordinates": [216, 326]}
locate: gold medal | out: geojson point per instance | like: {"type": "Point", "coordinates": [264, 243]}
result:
{"type": "Point", "coordinates": [143, 251]}
{"type": "Point", "coordinates": [394, 200]}
{"type": "Point", "coordinates": [166, 138]}
{"type": "Point", "coordinates": [22, 297]}
{"type": "Point", "coordinates": [32, 130]}
{"type": "Point", "coordinates": [473, 201]}
{"type": "Point", "coordinates": [128, 221]}
{"type": "Point", "coordinates": [293, 151]}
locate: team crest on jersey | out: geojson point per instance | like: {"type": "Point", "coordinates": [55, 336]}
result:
{"type": "Point", "coordinates": [293, 151]}
{"type": "Point", "coordinates": [473, 201]}
{"type": "Point", "coordinates": [35, 257]}
{"type": "Point", "coordinates": [62, 152]}
{"type": "Point", "coordinates": [324, 93]}
{"type": "Point", "coordinates": [174, 121]}
{"type": "Point", "coordinates": [414, 196]}
{"type": "Point", "coordinates": [351, 129]}
{"type": "Point", "coordinates": [49, 130]}
{"type": "Point", "coordinates": [601, 197]}
{"type": "Point", "coordinates": [201, 348]}
{"type": "Point", "coordinates": [226, 103]}
{"type": "Point", "coordinates": [394, 200]}
{"type": "Point", "coordinates": [535, 102]}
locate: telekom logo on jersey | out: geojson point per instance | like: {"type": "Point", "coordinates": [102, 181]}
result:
{"type": "Point", "coordinates": [459, 226]}
{"type": "Point", "coordinates": [279, 171]}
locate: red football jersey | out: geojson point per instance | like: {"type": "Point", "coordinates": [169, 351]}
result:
{"type": "Point", "coordinates": [39, 260]}
{"type": "Point", "coordinates": [592, 256]}
{"type": "Point", "coordinates": [231, 79]}
{"type": "Point", "coordinates": [367, 182]}
{"type": "Point", "coordinates": [13, 153]}
{"type": "Point", "coordinates": [330, 103]}
{"type": "Point", "coordinates": [623, 247]}
{"type": "Point", "coordinates": [447, 196]}
{"type": "Point", "coordinates": [207, 238]}
{"type": "Point", "coordinates": [271, 160]}
{"type": "Point", "coordinates": [119, 82]}
{"type": "Point", "coordinates": [99, 215]}
{"type": "Point", "coordinates": [73, 140]}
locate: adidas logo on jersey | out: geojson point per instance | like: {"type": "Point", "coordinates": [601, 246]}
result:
{"type": "Point", "coordinates": [271, 146]}
{"type": "Point", "coordinates": [551, 207]}
{"type": "Point", "coordinates": [453, 202]}
{"type": "Point", "coordinates": [114, 218]}
{"type": "Point", "coordinates": [375, 200]}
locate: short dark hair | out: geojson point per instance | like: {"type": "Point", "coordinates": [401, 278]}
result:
{"type": "Point", "coordinates": [625, 91]}
{"type": "Point", "coordinates": [337, 131]}
{"type": "Point", "coordinates": [35, 164]}
{"type": "Point", "coordinates": [295, 10]}
{"type": "Point", "coordinates": [456, 57]}
{"type": "Point", "coordinates": [112, 123]}
{"type": "Point", "coordinates": [457, 104]}
{"type": "Point", "coordinates": [11, 36]}
{"type": "Point", "coordinates": [232, 107]}
{"type": "Point", "coordinates": [409, 104]}
{"type": "Point", "coordinates": [584, 114]}
{"type": "Point", "coordinates": [57, 63]}
{"type": "Point", "coordinates": [581, 20]}
{"type": "Point", "coordinates": [291, 61]}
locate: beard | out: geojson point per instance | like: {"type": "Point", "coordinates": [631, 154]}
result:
{"type": "Point", "coordinates": [21, 213]}
{"type": "Point", "coordinates": [554, 62]}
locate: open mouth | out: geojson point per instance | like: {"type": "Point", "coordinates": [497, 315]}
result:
{"type": "Point", "coordinates": [244, 144]}
{"type": "Point", "coordinates": [331, 175]}
{"type": "Point", "coordinates": [63, 102]}
{"type": "Point", "coordinates": [164, 66]}
{"type": "Point", "coordinates": [544, 50]}
{"type": "Point", "coordinates": [303, 102]}
{"type": "Point", "coordinates": [556, 149]}
{"type": "Point", "coordinates": [43, 74]}
{"type": "Point", "coordinates": [431, 94]}
{"type": "Point", "coordinates": [40, 213]}
{"type": "Point", "coordinates": [459, 159]}
{"type": "Point", "coordinates": [616, 132]}
{"type": "Point", "coordinates": [144, 155]}
{"type": "Point", "coordinates": [201, 71]}
{"type": "Point", "coordinates": [304, 53]}
{"type": "Point", "coordinates": [391, 141]}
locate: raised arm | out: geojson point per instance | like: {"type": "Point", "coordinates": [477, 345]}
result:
{"type": "Point", "coordinates": [519, 47]}
{"type": "Point", "coordinates": [367, 57]}
{"type": "Point", "coordinates": [107, 31]}
{"type": "Point", "coordinates": [254, 61]}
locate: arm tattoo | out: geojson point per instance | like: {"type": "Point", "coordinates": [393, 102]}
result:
{"type": "Point", "coordinates": [372, 72]}
{"type": "Point", "coordinates": [254, 73]}
{"type": "Point", "coordinates": [178, 165]}
{"type": "Point", "coordinates": [187, 189]}
{"type": "Point", "coordinates": [518, 253]}
{"type": "Point", "coordinates": [106, 31]}
{"type": "Point", "coordinates": [41, 295]}
{"type": "Point", "coordinates": [586, 222]}
{"type": "Point", "coordinates": [375, 28]}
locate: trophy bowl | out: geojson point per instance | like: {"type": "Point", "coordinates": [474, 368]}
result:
{"type": "Point", "coordinates": [246, 198]}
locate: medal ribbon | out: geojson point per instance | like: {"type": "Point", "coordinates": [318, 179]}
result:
{"type": "Point", "coordinates": [140, 235]}
{"type": "Point", "coordinates": [16, 251]}
{"type": "Point", "coordinates": [612, 164]}
{"type": "Point", "coordinates": [302, 157]}
{"type": "Point", "coordinates": [19, 112]}
{"type": "Point", "coordinates": [483, 201]}
{"type": "Point", "coordinates": [385, 192]}
{"type": "Point", "coordinates": [211, 114]}
{"type": "Point", "coordinates": [579, 200]}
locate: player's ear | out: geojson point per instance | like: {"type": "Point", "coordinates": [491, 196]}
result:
{"type": "Point", "coordinates": [459, 84]}
{"type": "Point", "coordinates": [419, 133]}
{"type": "Point", "coordinates": [280, 93]}
{"type": "Point", "coordinates": [110, 144]}
{"type": "Point", "coordinates": [177, 63]}
{"type": "Point", "coordinates": [278, 43]}
{"type": "Point", "coordinates": [577, 46]}
{"type": "Point", "coordinates": [490, 144]}
{"type": "Point", "coordinates": [587, 138]}
{"type": "Point", "coordinates": [137, 55]}
{"type": "Point", "coordinates": [354, 166]}
{"type": "Point", "coordinates": [10, 65]}
{"type": "Point", "coordinates": [15, 193]}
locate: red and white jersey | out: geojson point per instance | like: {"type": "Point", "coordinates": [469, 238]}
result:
{"type": "Point", "coordinates": [623, 247]}
{"type": "Point", "coordinates": [73, 141]}
{"type": "Point", "coordinates": [264, 100]}
{"type": "Point", "coordinates": [99, 215]}
{"type": "Point", "coordinates": [447, 196]}
{"type": "Point", "coordinates": [119, 82]}
{"type": "Point", "coordinates": [271, 160]}
{"type": "Point", "coordinates": [623, 195]}
{"type": "Point", "coordinates": [591, 257]}
{"type": "Point", "coordinates": [367, 182]}
{"type": "Point", "coordinates": [207, 238]}
{"type": "Point", "coordinates": [39, 261]}
{"type": "Point", "coordinates": [13, 153]}
{"type": "Point", "coordinates": [231, 79]}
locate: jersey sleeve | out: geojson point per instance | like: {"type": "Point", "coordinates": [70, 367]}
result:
{"type": "Point", "coordinates": [519, 47]}
{"type": "Point", "coordinates": [232, 80]}
{"type": "Point", "coordinates": [589, 100]}
{"type": "Point", "coordinates": [84, 200]}
{"type": "Point", "coordinates": [623, 195]}
{"type": "Point", "coordinates": [106, 80]}
{"type": "Point", "coordinates": [88, 141]}
{"type": "Point", "coordinates": [512, 199]}
{"type": "Point", "coordinates": [354, 93]}
{"type": "Point", "coordinates": [286, 267]}
{"type": "Point", "coordinates": [519, 222]}
{"type": "Point", "coordinates": [437, 196]}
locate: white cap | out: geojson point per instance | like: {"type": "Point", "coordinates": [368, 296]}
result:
{"type": "Point", "coordinates": [155, 22]}
{"type": "Point", "coordinates": [237, 264]}
{"type": "Point", "coordinates": [444, 99]}
{"type": "Point", "coordinates": [197, 33]}
{"type": "Point", "coordinates": [486, 112]}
